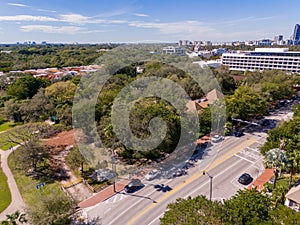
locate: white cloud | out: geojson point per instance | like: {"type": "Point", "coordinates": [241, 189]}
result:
{"type": "Point", "coordinates": [245, 20]}
{"type": "Point", "coordinates": [52, 29]}
{"type": "Point", "coordinates": [46, 10]}
{"type": "Point", "coordinates": [140, 14]}
{"type": "Point", "coordinates": [17, 4]}
{"type": "Point", "coordinates": [75, 18]}
{"type": "Point", "coordinates": [182, 27]}
{"type": "Point", "coordinates": [80, 19]}
{"type": "Point", "coordinates": [28, 18]}
{"type": "Point", "coordinates": [60, 29]}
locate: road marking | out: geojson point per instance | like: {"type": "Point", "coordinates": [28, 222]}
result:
{"type": "Point", "coordinates": [107, 210]}
{"type": "Point", "coordinates": [253, 149]}
{"type": "Point", "coordinates": [234, 181]}
{"type": "Point", "coordinates": [190, 194]}
{"type": "Point", "coordinates": [243, 158]}
{"type": "Point", "coordinates": [232, 152]}
{"type": "Point", "coordinates": [156, 218]}
{"type": "Point", "coordinates": [112, 222]}
{"type": "Point", "coordinates": [194, 177]}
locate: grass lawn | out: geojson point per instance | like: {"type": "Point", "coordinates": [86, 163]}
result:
{"type": "Point", "coordinates": [27, 185]}
{"type": "Point", "coordinates": [4, 141]}
{"type": "Point", "coordinates": [7, 125]}
{"type": "Point", "coordinates": [5, 195]}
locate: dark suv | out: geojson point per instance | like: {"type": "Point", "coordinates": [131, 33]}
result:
{"type": "Point", "coordinates": [133, 185]}
{"type": "Point", "coordinates": [245, 178]}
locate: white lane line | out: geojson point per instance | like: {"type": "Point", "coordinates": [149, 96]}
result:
{"type": "Point", "coordinates": [115, 199]}
{"type": "Point", "coordinates": [156, 218]}
{"type": "Point", "coordinates": [244, 158]}
{"type": "Point", "coordinates": [223, 171]}
{"type": "Point", "coordinates": [247, 169]}
{"type": "Point", "coordinates": [127, 209]}
{"type": "Point", "coordinates": [122, 197]}
{"type": "Point", "coordinates": [250, 154]}
{"type": "Point", "coordinates": [107, 210]}
{"type": "Point", "coordinates": [253, 149]}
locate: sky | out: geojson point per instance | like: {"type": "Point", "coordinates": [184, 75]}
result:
{"type": "Point", "coordinates": [103, 21]}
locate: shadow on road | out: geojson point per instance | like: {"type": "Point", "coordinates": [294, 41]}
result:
{"type": "Point", "coordinates": [138, 196]}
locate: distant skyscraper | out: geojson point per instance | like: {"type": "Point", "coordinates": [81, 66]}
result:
{"type": "Point", "coordinates": [296, 35]}
{"type": "Point", "coordinates": [278, 38]}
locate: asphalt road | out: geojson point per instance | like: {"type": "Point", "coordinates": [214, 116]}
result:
{"type": "Point", "coordinates": [225, 162]}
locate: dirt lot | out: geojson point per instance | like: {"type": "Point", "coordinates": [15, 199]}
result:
{"type": "Point", "coordinates": [59, 146]}
{"type": "Point", "coordinates": [65, 138]}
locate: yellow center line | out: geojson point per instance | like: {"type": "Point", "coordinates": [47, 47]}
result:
{"type": "Point", "coordinates": [214, 164]}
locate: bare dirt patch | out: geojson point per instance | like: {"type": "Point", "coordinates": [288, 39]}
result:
{"type": "Point", "coordinates": [59, 146]}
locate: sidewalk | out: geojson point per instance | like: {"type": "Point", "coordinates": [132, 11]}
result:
{"type": "Point", "coordinates": [258, 184]}
{"type": "Point", "coordinates": [17, 202]}
{"type": "Point", "coordinates": [102, 195]}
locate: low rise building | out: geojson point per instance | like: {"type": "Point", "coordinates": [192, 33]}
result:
{"type": "Point", "coordinates": [293, 198]}
{"type": "Point", "coordinates": [171, 50]}
{"type": "Point", "coordinates": [263, 59]}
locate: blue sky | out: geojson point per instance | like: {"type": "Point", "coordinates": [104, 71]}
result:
{"type": "Point", "coordinates": [98, 21]}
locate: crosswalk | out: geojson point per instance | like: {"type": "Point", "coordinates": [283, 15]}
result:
{"type": "Point", "coordinates": [250, 154]}
{"type": "Point", "coordinates": [116, 198]}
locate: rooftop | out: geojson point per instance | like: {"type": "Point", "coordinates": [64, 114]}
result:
{"type": "Point", "coordinates": [294, 194]}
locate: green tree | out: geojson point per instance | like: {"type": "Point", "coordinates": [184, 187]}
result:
{"type": "Point", "coordinates": [276, 159]}
{"type": "Point", "coordinates": [245, 103]}
{"type": "Point", "coordinates": [248, 207]}
{"type": "Point", "coordinates": [61, 96]}
{"type": "Point", "coordinates": [53, 210]}
{"type": "Point", "coordinates": [194, 211]}
{"type": "Point", "coordinates": [12, 109]}
{"type": "Point", "coordinates": [61, 93]}
{"type": "Point", "coordinates": [36, 109]}
{"type": "Point", "coordinates": [26, 87]}
{"type": "Point", "coordinates": [15, 219]}
{"type": "Point", "coordinates": [284, 215]}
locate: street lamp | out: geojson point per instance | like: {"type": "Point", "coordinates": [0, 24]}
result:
{"type": "Point", "coordinates": [211, 178]}
{"type": "Point", "coordinates": [113, 165]}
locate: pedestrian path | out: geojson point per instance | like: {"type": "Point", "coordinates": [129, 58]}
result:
{"type": "Point", "coordinates": [102, 195]}
{"type": "Point", "coordinates": [17, 202]}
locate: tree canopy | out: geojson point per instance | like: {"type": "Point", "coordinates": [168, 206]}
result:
{"type": "Point", "coordinates": [245, 103]}
{"type": "Point", "coordinates": [247, 207]}
{"type": "Point", "coordinates": [26, 87]}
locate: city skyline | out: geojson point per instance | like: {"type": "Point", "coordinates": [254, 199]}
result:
{"type": "Point", "coordinates": [144, 21]}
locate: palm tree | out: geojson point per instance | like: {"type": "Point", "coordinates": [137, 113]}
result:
{"type": "Point", "coordinates": [14, 219]}
{"type": "Point", "coordinates": [294, 162]}
{"type": "Point", "coordinates": [276, 159]}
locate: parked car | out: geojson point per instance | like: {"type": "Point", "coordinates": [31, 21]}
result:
{"type": "Point", "coordinates": [171, 173]}
{"type": "Point", "coordinates": [180, 172]}
{"type": "Point", "coordinates": [133, 185]}
{"type": "Point", "coordinates": [216, 138]}
{"type": "Point", "coordinates": [238, 133]}
{"type": "Point", "coordinates": [245, 178]}
{"type": "Point", "coordinates": [152, 174]}
{"type": "Point", "coordinates": [265, 122]}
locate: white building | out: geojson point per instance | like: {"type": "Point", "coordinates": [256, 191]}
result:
{"type": "Point", "coordinates": [293, 198]}
{"type": "Point", "coordinates": [209, 63]}
{"type": "Point", "coordinates": [171, 50]}
{"type": "Point", "coordinates": [263, 59]}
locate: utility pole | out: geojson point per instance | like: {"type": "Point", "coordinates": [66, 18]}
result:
{"type": "Point", "coordinates": [113, 165]}
{"type": "Point", "coordinates": [210, 189]}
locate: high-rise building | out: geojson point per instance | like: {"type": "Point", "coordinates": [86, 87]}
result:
{"type": "Point", "coordinates": [296, 35]}
{"type": "Point", "coordinates": [278, 38]}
